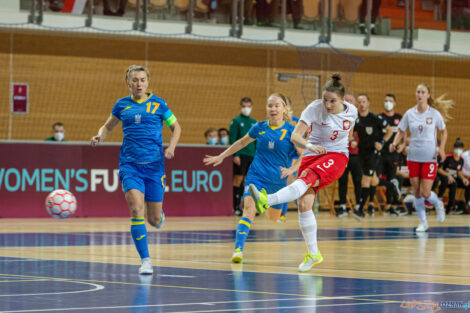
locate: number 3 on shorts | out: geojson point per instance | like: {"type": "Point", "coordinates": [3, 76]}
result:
{"type": "Point", "coordinates": [326, 165]}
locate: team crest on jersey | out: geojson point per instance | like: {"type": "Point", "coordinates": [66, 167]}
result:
{"type": "Point", "coordinates": [271, 145]}
{"type": "Point", "coordinates": [369, 130]}
{"type": "Point", "coordinates": [396, 121]}
{"type": "Point", "coordinates": [138, 118]}
{"type": "Point", "coordinates": [346, 125]}
{"type": "Point", "coordinates": [429, 120]}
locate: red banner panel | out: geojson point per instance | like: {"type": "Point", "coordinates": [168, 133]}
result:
{"type": "Point", "coordinates": [29, 171]}
{"type": "Point", "coordinates": [19, 98]}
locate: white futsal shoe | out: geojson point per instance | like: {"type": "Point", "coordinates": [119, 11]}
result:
{"type": "Point", "coordinates": [440, 211]}
{"type": "Point", "coordinates": [146, 267]}
{"type": "Point", "coordinates": [309, 261]}
{"type": "Point", "coordinates": [422, 227]}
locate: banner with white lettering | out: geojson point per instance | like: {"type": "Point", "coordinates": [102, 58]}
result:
{"type": "Point", "coordinates": [30, 171]}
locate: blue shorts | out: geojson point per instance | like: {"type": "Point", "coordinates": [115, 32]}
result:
{"type": "Point", "coordinates": [270, 188]}
{"type": "Point", "coordinates": [148, 178]}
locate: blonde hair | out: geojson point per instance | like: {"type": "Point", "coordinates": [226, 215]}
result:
{"type": "Point", "coordinates": [441, 104]}
{"type": "Point", "coordinates": [287, 115]}
{"type": "Point", "coordinates": [136, 68]}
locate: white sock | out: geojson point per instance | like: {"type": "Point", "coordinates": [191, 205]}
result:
{"type": "Point", "coordinates": [308, 226]}
{"type": "Point", "coordinates": [288, 193]}
{"type": "Point", "coordinates": [420, 209]}
{"type": "Point", "coordinates": [433, 199]}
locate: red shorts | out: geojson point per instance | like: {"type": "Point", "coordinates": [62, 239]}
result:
{"type": "Point", "coordinates": [423, 170]}
{"type": "Point", "coordinates": [329, 167]}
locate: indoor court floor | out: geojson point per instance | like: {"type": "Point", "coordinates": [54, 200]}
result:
{"type": "Point", "coordinates": [377, 265]}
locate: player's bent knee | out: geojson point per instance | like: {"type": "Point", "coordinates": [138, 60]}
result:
{"type": "Point", "coordinates": [137, 212]}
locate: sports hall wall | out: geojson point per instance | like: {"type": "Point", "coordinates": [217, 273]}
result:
{"type": "Point", "coordinates": [76, 79]}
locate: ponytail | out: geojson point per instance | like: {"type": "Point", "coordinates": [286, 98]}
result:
{"type": "Point", "coordinates": [443, 106]}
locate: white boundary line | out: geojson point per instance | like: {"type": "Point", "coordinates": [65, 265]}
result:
{"type": "Point", "coordinates": [97, 287]}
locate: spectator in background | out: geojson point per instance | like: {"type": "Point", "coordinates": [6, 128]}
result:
{"type": "Point", "coordinates": [120, 4]}
{"type": "Point", "coordinates": [223, 136]}
{"type": "Point", "coordinates": [263, 12]}
{"type": "Point", "coordinates": [450, 173]}
{"type": "Point", "coordinates": [212, 138]}
{"type": "Point", "coordinates": [294, 7]}
{"type": "Point", "coordinates": [239, 127]}
{"type": "Point", "coordinates": [460, 14]}
{"type": "Point", "coordinates": [58, 132]}
{"type": "Point", "coordinates": [373, 16]}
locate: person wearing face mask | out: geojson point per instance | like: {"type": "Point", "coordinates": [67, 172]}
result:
{"type": "Point", "coordinates": [389, 160]}
{"type": "Point", "coordinates": [242, 159]}
{"type": "Point", "coordinates": [373, 131]}
{"type": "Point", "coordinates": [211, 136]}
{"type": "Point", "coordinates": [58, 132]}
{"type": "Point", "coordinates": [223, 136]}
{"type": "Point", "coordinates": [450, 172]}
{"type": "Point", "coordinates": [271, 165]}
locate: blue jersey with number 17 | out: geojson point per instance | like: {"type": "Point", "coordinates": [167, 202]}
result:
{"type": "Point", "coordinates": [142, 122]}
{"type": "Point", "coordinates": [273, 149]}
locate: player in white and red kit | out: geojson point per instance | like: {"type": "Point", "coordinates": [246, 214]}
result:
{"type": "Point", "coordinates": [423, 121]}
{"type": "Point", "coordinates": [330, 120]}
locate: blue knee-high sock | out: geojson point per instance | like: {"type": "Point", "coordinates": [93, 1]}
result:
{"type": "Point", "coordinates": [285, 206]}
{"type": "Point", "coordinates": [139, 234]}
{"type": "Point", "coordinates": [243, 229]}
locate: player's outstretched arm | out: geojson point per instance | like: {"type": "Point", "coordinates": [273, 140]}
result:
{"type": "Point", "coordinates": [175, 137]}
{"type": "Point", "coordinates": [235, 147]}
{"type": "Point", "coordinates": [104, 131]}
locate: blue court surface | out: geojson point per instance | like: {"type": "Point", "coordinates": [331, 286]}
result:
{"type": "Point", "coordinates": [37, 285]}
{"type": "Point", "coordinates": [222, 236]}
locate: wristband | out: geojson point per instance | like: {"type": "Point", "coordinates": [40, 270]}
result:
{"type": "Point", "coordinates": [308, 146]}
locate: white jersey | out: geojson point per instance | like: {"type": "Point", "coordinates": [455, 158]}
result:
{"type": "Point", "coordinates": [329, 130]}
{"type": "Point", "coordinates": [423, 140]}
{"type": "Point", "coordinates": [466, 163]}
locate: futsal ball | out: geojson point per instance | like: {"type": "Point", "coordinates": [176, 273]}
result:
{"type": "Point", "coordinates": [61, 204]}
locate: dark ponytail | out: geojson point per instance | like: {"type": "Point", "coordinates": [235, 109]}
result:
{"type": "Point", "coordinates": [335, 85]}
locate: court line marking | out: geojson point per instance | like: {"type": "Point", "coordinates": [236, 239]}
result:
{"type": "Point", "coordinates": [204, 303]}
{"type": "Point", "coordinates": [21, 280]}
{"type": "Point", "coordinates": [97, 287]}
{"type": "Point", "coordinates": [201, 288]}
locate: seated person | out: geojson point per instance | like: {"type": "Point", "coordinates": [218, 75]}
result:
{"type": "Point", "coordinates": [211, 136]}
{"type": "Point", "coordinates": [450, 172]}
{"type": "Point", "coordinates": [58, 132]}
{"type": "Point", "coordinates": [223, 136]}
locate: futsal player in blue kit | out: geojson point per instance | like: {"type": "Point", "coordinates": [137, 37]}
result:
{"type": "Point", "coordinates": [141, 158]}
{"type": "Point", "coordinates": [270, 166]}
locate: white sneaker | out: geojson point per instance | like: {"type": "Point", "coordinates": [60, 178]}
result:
{"type": "Point", "coordinates": [309, 261]}
{"type": "Point", "coordinates": [441, 213]}
{"type": "Point", "coordinates": [146, 267]}
{"type": "Point", "coordinates": [422, 227]}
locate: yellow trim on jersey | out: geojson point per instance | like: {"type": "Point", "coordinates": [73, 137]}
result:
{"type": "Point", "coordinates": [127, 108]}
{"type": "Point", "coordinates": [275, 127]}
{"type": "Point", "coordinates": [141, 100]}
{"type": "Point", "coordinates": [244, 223]}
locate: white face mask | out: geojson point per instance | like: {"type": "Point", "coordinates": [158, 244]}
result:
{"type": "Point", "coordinates": [458, 152]}
{"type": "Point", "coordinates": [59, 136]}
{"type": "Point", "coordinates": [246, 111]}
{"type": "Point", "coordinates": [388, 105]}
{"type": "Point", "coordinates": [224, 140]}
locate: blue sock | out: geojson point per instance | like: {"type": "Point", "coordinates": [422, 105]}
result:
{"type": "Point", "coordinates": [139, 234]}
{"type": "Point", "coordinates": [243, 229]}
{"type": "Point", "coordinates": [285, 206]}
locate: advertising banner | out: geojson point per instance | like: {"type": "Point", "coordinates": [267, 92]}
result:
{"type": "Point", "coordinates": [30, 171]}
